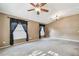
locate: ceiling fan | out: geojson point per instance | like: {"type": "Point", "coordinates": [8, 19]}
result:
{"type": "Point", "coordinates": [38, 7]}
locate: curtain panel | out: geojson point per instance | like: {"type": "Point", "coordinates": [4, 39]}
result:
{"type": "Point", "coordinates": [24, 25]}
{"type": "Point", "coordinates": [13, 25]}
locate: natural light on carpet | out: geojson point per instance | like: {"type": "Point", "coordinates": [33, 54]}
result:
{"type": "Point", "coordinates": [42, 53]}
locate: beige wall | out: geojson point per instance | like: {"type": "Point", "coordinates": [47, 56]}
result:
{"type": "Point", "coordinates": [4, 30]}
{"type": "Point", "coordinates": [33, 30]}
{"type": "Point", "coordinates": [67, 27]}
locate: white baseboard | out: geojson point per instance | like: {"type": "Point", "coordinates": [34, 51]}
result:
{"type": "Point", "coordinates": [64, 39]}
{"type": "Point", "coordinates": [4, 46]}
{"type": "Point", "coordinates": [10, 45]}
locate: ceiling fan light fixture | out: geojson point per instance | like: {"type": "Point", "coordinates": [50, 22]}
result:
{"type": "Point", "coordinates": [37, 9]}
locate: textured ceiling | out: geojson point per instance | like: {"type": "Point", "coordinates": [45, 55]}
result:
{"type": "Point", "coordinates": [59, 9]}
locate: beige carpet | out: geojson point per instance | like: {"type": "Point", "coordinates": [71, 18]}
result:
{"type": "Point", "coordinates": [43, 47]}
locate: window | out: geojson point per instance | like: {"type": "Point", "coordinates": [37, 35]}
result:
{"type": "Point", "coordinates": [19, 32]}
{"type": "Point", "coordinates": [42, 31]}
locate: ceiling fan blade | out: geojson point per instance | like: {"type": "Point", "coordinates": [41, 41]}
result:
{"type": "Point", "coordinates": [31, 9]}
{"type": "Point", "coordinates": [45, 10]}
{"type": "Point", "coordinates": [38, 12]}
{"type": "Point", "coordinates": [37, 5]}
{"type": "Point", "coordinates": [42, 4]}
{"type": "Point", "coordinates": [33, 4]}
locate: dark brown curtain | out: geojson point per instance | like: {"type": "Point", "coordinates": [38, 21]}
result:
{"type": "Point", "coordinates": [13, 25]}
{"type": "Point", "coordinates": [24, 25]}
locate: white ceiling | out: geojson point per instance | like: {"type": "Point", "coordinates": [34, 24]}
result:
{"type": "Point", "coordinates": [59, 9]}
